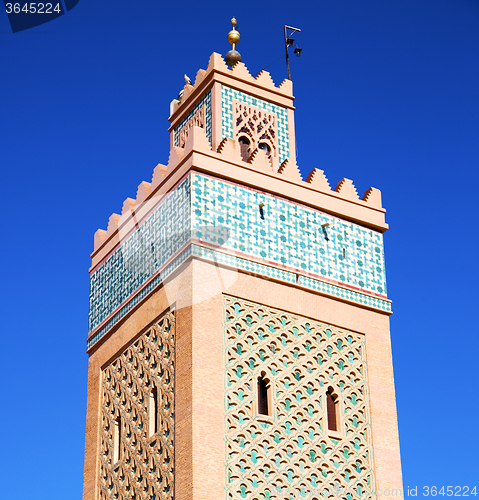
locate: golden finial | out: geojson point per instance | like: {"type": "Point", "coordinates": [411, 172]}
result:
{"type": "Point", "coordinates": [233, 35]}
{"type": "Point", "coordinates": [233, 56]}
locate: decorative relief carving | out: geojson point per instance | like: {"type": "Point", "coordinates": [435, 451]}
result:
{"type": "Point", "coordinates": [229, 95]}
{"type": "Point", "coordinates": [259, 127]}
{"type": "Point", "coordinates": [200, 116]}
{"type": "Point", "coordinates": [197, 120]}
{"type": "Point", "coordinates": [133, 465]}
{"type": "Point", "coordinates": [293, 454]}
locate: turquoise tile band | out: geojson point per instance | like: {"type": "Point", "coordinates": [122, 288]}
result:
{"type": "Point", "coordinates": [289, 244]}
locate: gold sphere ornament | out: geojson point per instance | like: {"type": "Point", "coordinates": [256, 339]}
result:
{"type": "Point", "coordinates": [233, 37]}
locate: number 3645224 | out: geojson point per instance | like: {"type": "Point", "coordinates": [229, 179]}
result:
{"type": "Point", "coordinates": [33, 8]}
{"type": "Point", "coordinates": [449, 491]}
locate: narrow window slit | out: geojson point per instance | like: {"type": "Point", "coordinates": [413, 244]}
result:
{"type": "Point", "coordinates": [264, 396]}
{"type": "Point", "coordinates": [324, 226]}
{"type": "Point", "coordinates": [261, 210]}
{"type": "Point", "coordinates": [153, 412]}
{"type": "Point", "coordinates": [116, 439]}
{"type": "Point", "coordinates": [332, 410]}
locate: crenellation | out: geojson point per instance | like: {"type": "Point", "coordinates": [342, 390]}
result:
{"type": "Point", "coordinates": [200, 76]}
{"type": "Point", "coordinates": [196, 141]}
{"type": "Point", "coordinates": [318, 180]}
{"type": "Point", "coordinates": [264, 79]}
{"type": "Point", "coordinates": [347, 189]}
{"type": "Point", "coordinates": [158, 173]}
{"type": "Point", "coordinates": [373, 197]}
{"type": "Point", "coordinates": [216, 62]}
{"type": "Point", "coordinates": [128, 206]}
{"type": "Point", "coordinates": [286, 86]}
{"type": "Point", "coordinates": [229, 148]}
{"type": "Point", "coordinates": [290, 170]}
{"type": "Point", "coordinates": [143, 191]}
{"type": "Point", "coordinates": [259, 161]}
{"type": "Point", "coordinates": [176, 154]}
{"type": "Point", "coordinates": [187, 91]}
{"type": "Point", "coordinates": [99, 238]}
{"type": "Point", "coordinates": [112, 224]}
{"type": "Point", "coordinates": [241, 71]}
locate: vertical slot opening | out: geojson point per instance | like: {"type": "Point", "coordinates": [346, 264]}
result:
{"type": "Point", "coordinates": [116, 439]}
{"type": "Point", "coordinates": [332, 410]}
{"type": "Point", "coordinates": [264, 395]}
{"type": "Point", "coordinates": [153, 412]}
{"type": "Point", "coordinates": [261, 210]}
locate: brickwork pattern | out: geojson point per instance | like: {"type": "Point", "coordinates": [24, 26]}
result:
{"type": "Point", "coordinates": [292, 454]}
{"type": "Point", "coordinates": [145, 468]}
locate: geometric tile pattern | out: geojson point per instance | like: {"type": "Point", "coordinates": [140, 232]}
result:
{"type": "Point", "coordinates": [227, 96]}
{"type": "Point", "coordinates": [138, 297]}
{"type": "Point", "coordinates": [292, 455]}
{"type": "Point", "coordinates": [281, 275]}
{"type": "Point", "coordinates": [144, 466]}
{"type": "Point", "coordinates": [290, 235]}
{"type": "Point", "coordinates": [206, 101]}
{"type": "Point", "coordinates": [236, 263]}
{"type": "Point", "coordinates": [140, 255]}
{"type": "Point", "coordinates": [246, 265]}
{"type": "Point", "coordinates": [344, 293]}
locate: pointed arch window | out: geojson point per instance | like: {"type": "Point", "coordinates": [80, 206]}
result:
{"type": "Point", "coordinates": [265, 147]}
{"type": "Point", "coordinates": [245, 149]}
{"type": "Point", "coordinates": [256, 128]}
{"type": "Point", "coordinates": [332, 407]}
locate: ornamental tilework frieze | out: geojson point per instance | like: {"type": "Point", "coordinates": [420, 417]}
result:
{"type": "Point", "coordinates": [292, 454]}
{"type": "Point", "coordinates": [227, 97]}
{"type": "Point", "coordinates": [140, 255]}
{"type": "Point", "coordinates": [138, 465]}
{"type": "Point", "coordinates": [245, 265]}
{"type": "Point", "coordinates": [288, 244]}
{"type": "Point", "coordinates": [138, 297]}
{"type": "Point", "coordinates": [289, 234]}
{"type": "Point", "coordinates": [201, 111]}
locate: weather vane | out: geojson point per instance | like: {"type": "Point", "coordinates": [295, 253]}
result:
{"type": "Point", "coordinates": [289, 42]}
{"type": "Point", "coordinates": [233, 56]}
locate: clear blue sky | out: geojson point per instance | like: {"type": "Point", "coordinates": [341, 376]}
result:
{"type": "Point", "coordinates": [387, 94]}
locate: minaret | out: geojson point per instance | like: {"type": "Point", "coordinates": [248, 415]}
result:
{"type": "Point", "coordinates": [239, 343]}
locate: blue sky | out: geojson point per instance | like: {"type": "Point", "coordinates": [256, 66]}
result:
{"type": "Point", "coordinates": [386, 94]}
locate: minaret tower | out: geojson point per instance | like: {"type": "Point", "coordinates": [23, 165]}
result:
{"type": "Point", "coordinates": [239, 343]}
